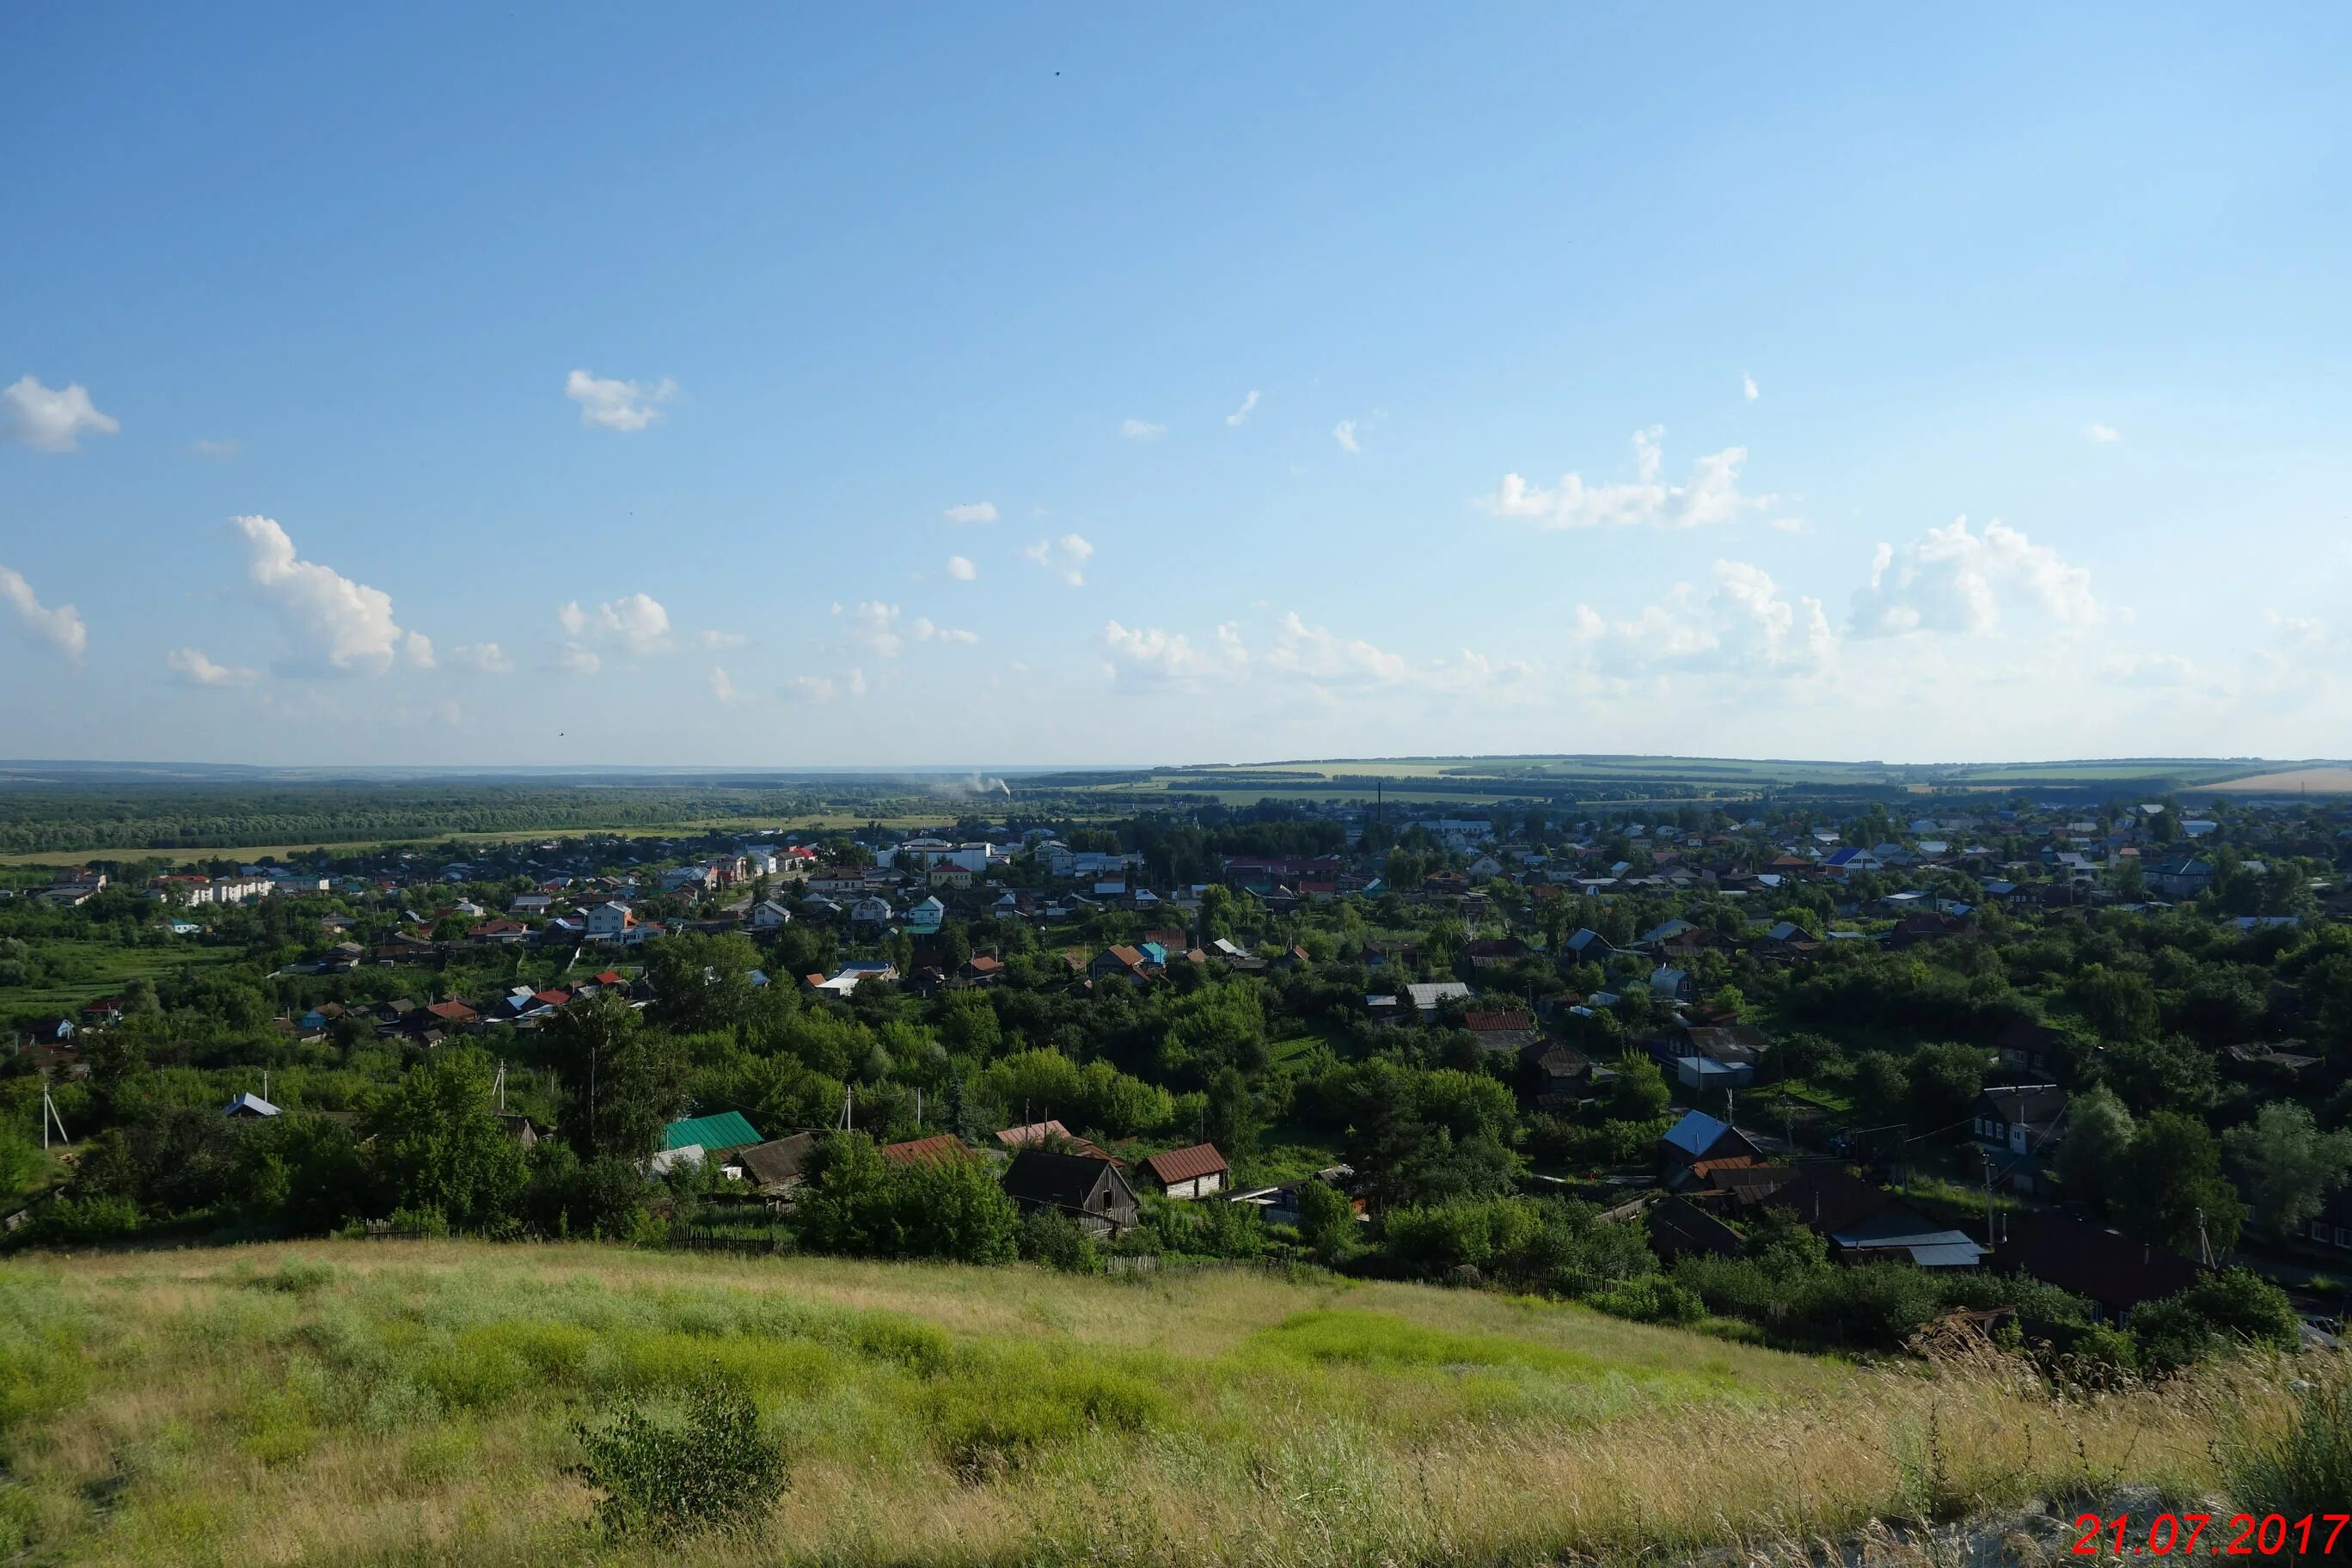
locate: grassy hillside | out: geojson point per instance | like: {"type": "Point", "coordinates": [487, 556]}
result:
{"type": "Point", "coordinates": [411, 1402]}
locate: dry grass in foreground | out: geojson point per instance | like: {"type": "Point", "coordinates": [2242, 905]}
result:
{"type": "Point", "coordinates": [416, 1401]}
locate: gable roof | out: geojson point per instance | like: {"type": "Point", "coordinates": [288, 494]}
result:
{"type": "Point", "coordinates": [934, 1151]}
{"type": "Point", "coordinates": [780, 1160]}
{"type": "Point", "coordinates": [2029, 1104]}
{"type": "Point", "coordinates": [1185, 1164]}
{"type": "Point", "coordinates": [1695, 1133]}
{"type": "Point", "coordinates": [719, 1133]}
{"type": "Point", "coordinates": [1065, 1180]}
{"type": "Point", "coordinates": [1039, 1133]}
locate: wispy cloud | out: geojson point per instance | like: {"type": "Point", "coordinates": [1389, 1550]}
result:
{"type": "Point", "coordinates": [1241, 416]}
{"type": "Point", "coordinates": [1344, 433]}
{"type": "Point", "coordinates": [1747, 388]}
{"type": "Point", "coordinates": [1151, 656]}
{"type": "Point", "coordinates": [2101, 434]}
{"type": "Point", "coordinates": [60, 628]}
{"type": "Point", "coordinates": [1069, 555]}
{"type": "Point", "coordinates": [481, 658]}
{"type": "Point", "coordinates": [1710, 496]}
{"type": "Point", "coordinates": [606, 403]}
{"type": "Point", "coordinates": [722, 690]}
{"type": "Point", "coordinates": [1142, 429]}
{"type": "Point", "coordinates": [50, 420]}
{"type": "Point", "coordinates": [972, 511]}
{"type": "Point", "coordinates": [219, 451]}
{"type": "Point", "coordinates": [194, 669]}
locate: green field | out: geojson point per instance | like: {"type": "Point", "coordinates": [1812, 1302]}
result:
{"type": "Point", "coordinates": [95, 968]}
{"type": "Point", "coordinates": [413, 1401]}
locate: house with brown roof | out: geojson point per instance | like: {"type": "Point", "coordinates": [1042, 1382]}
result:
{"type": "Point", "coordinates": [1121, 959]}
{"type": "Point", "coordinates": [1193, 1173]}
{"type": "Point", "coordinates": [1052, 1135]}
{"type": "Point", "coordinates": [938, 1149]}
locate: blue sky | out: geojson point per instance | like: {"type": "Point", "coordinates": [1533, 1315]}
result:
{"type": "Point", "coordinates": [1054, 385]}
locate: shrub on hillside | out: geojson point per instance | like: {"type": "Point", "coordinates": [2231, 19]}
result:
{"type": "Point", "coordinates": [714, 1470]}
{"type": "Point", "coordinates": [2221, 1312]}
{"type": "Point", "coordinates": [1055, 1239]}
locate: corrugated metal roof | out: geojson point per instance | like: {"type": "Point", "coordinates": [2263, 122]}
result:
{"type": "Point", "coordinates": [1184, 1164]}
{"type": "Point", "coordinates": [727, 1130]}
{"type": "Point", "coordinates": [1695, 1133]}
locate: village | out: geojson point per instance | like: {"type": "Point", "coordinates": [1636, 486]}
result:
{"type": "Point", "coordinates": [1682, 1021]}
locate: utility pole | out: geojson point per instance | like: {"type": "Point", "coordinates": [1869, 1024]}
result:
{"type": "Point", "coordinates": [50, 1115]}
{"type": "Point", "coordinates": [502, 1086]}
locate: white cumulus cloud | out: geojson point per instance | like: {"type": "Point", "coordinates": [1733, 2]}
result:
{"type": "Point", "coordinates": [1710, 496]}
{"type": "Point", "coordinates": [194, 669]}
{"type": "Point", "coordinates": [49, 420]}
{"type": "Point", "coordinates": [333, 622]}
{"type": "Point", "coordinates": [60, 628]}
{"type": "Point", "coordinates": [2102, 433]}
{"type": "Point", "coordinates": [1747, 388]}
{"type": "Point", "coordinates": [961, 568]}
{"type": "Point", "coordinates": [606, 403]}
{"type": "Point", "coordinates": [637, 622]}
{"type": "Point", "coordinates": [808, 688]}
{"type": "Point", "coordinates": [1241, 416]}
{"type": "Point", "coordinates": [1344, 433]}
{"type": "Point", "coordinates": [1952, 580]}
{"type": "Point", "coordinates": [972, 511]}
{"type": "Point", "coordinates": [872, 628]}
{"type": "Point", "coordinates": [1744, 623]}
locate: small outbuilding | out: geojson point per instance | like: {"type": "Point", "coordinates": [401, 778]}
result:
{"type": "Point", "coordinates": [1193, 1173]}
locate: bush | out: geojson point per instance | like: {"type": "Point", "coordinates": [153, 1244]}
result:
{"type": "Point", "coordinates": [2221, 1312]}
{"type": "Point", "coordinates": [1650, 1300]}
{"type": "Point", "coordinates": [1055, 1239]}
{"type": "Point", "coordinates": [97, 1218]}
{"type": "Point", "coordinates": [714, 1472]}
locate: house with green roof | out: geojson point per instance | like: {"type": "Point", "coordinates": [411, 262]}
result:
{"type": "Point", "coordinates": [715, 1135]}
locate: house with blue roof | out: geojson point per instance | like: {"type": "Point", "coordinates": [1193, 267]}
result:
{"type": "Point", "coordinates": [1698, 1136]}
